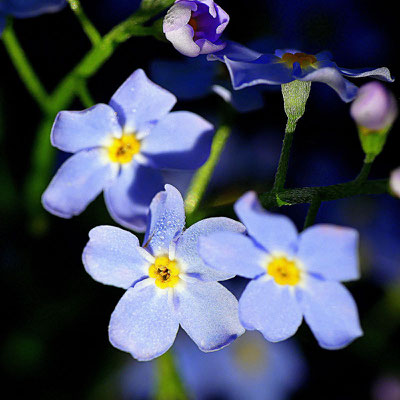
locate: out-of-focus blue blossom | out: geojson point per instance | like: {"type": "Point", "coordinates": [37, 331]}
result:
{"type": "Point", "coordinates": [194, 78]}
{"type": "Point", "coordinates": [386, 388]}
{"type": "Point", "coordinates": [167, 282]}
{"type": "Point", "coordinates": [27, 8]}
{"type": "Point", "coordinates": [194, 26]}
{"type": "Point", "coordinates": [120, 148]}
{"type": "Point", "coordinates": [249, 68]}
{"type": "Point", "coordinates": [374, 108]}
{"type": "Point", "coordinates": [250, 368]}
{"type": "Point", "coordinates": [395, 182]}
{"type": "Point", "coordinates": [292, 275]}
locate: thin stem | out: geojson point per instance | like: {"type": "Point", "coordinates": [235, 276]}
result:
{"type": "Point", "coordinates": [312, 212]}
{"type": "Point", "coordinates": [169, 384]}
{"type": "Point", "coordinates": [202, 177]}
{"type": "Point", "coordinates": [364, 173]}
{"type": "Point", "coordinates": [84, 95]}
{"type": "Point", "coordinates": [280, 176]}
{"type": "Point", "coordinates": [24, 68]}
{"type": "Point", "coordinates": [90, 30]}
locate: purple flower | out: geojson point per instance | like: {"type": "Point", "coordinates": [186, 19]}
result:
{"type": "Point", "coordinates": [291, 275]}
{"type": "Point", "coordinates": [194, 26]}
{"type": "Point", "coordinates": [167, 284]}
{"type": "Point", "coordinates": [27, 8]}
{"type": "Point", "coordinates": [249, 68]}
{"type": "Point", "coordinates": [120, 148]}
{"type": "Point", "coordinates": [374, 108]}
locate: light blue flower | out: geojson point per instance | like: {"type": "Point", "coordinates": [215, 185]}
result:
{"type": "Point", "coordinates": [249, 68]}
{"type": "Point", "coordinates": [291, 275]}
{"type": "Point", "coordinates": [27, 8]}
{"type": "Point", "coordinates": [120, 148]}
{"type": "Point", "coordinates": [167, 282]}
{"type": "Point", "coordinates": [250, 368]}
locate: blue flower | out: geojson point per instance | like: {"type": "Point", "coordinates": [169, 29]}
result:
{"type": "Point", "coordinates": [27, 8]}
{"type": "Point", "coordinates": [120, 148]}
{"type": "Point", "coordinates": [167, 282]}
{"type": "Point", "coordinates": [194, 78]}
{"type": "Point", "coordinates": [250, 369]}
{"type": "Point", "coordinates": [291, 275]}
{"type": "Point", "coordinates": [249, 68]}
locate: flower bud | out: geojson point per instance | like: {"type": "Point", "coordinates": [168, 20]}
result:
{"type": "Point", "coordinates": [395, 182]}
{"type": "Point", "coordinates": [194, 27]}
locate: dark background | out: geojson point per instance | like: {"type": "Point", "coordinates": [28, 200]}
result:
{"type": "Point", "coordinates": [55, 317]}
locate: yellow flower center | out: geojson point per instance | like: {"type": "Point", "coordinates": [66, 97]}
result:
{"type": "Point", "coordinates": [165, 272]}
{"type": "Point", "coordinates": [284, 271]}
{"type": "Point", "coordinates": [305, 60]}
{"type": "Point", "coordinates": [122, 150]}
{"type": "Point", "coordinates": [249, 354]}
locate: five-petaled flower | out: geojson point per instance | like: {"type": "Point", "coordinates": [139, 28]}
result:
{"type": "Point", "coordinates": [291, 275]}
{"type": "Point", "coordinates": [167, 282]}
{"type": "Point", "coordinates": [27, 8]}
{"type": "Point", "coordinates": [249, 68]}
{"type": "Point", "coordinates": [194, 26]}
{"type": "Point", "coordinates": [120, 148]}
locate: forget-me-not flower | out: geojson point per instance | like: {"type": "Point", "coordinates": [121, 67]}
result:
{"type": "Point", "coordinates": [194, 26]}
{"type": "Point", "coordinates": [291, 275]}
{"type": "Point", "coordinates": [27, 8]}
{"type": "Point", "coordinates": [120, 148]}
{"type": "Point", "coordinates": [167, 282]}
{"type": "Point", "coordinates": [249, 68]}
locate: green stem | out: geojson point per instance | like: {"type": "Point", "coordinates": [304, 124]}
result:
{"type": "Point", "coordinates": [169, 384]}
{"type": "Point", "coordinates": [312, 212]}
{"type": "Point", "coordinates": [364, 173]}
{"type": "Point", "coordinates": [24, 68]}
{"type": "Point", "coordinates": [90, 30]}
{"type": "Point", "coordinates": [326, 193]}
{"type": "Point", "coordinates": [84, 95]}
{"type": "Point", "coordinates": [280, 176]}
{"type": "Point", "coordinates": [202, 177]}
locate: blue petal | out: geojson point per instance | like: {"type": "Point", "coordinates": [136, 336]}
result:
{"type": "Point", "coordinates": [274, 232]}
{"type": "Point", "coordinates": [31, 8]}
{"type": "Point", "coordinates": [209, 314]}
{"type": "Point", "coordinates": [113, 257]}
{"type": "Point", "coordinates": [166, 220]}
{"type": "Point", "coordinates": [181, 140]}
{"type": "Point", "coordinates": [248, 99]}
{"type": "Point", "coordinates": [187, 247]}
{"type": "Point", "coordinates": [129, 197]}
{"type": "Point", "coordinates": [77, 130]}
{"type": "Point", "coordinates": [270, 308]}
{"type": "Point", "coordinates": [235, 51]}
{"type": "Point", "coordinates": [144, 322]}
{"type": "Point", "coordinates": [232, 253]}
{"type": "Point", "coordinates": [78, 182]}
{"type": "Point", "coordinates": [140, 101]}
{"type": "Point", "coordinates": [331, 313]}
{"type": "Point", "coordinates": [189, 79]}
{"type": "Point", "coordinates": [381, 73]}
{"type": "Point", "coordinates": [332, 77]}
{"type": "Point", "coordinates": [330, 251]}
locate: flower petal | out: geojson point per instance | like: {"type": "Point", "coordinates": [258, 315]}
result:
{"type": "Point", "coordinates": [187, 247]}
{"type": "Point", "coordinates": [178, 15]}
{"type": "Point", "coordinates": [140, 101]}
{"type": "Point", "coordinates": [330, 251]}
{"type": "Point", "coordinates": [181, 140]}
{"type": "Point", "coordinates": [78, 182]}
{"type": "Point", "coordinates": [236, 52]}
{"type": "Point", "coordinates": [128, 198]}
{"type": "Point", "coordinates": [208, 313]}
{"type": "Point", "coordinates": [182, 40]}
{"type": "Point", "coordinates": [274, 232]}
{"type": "Point", "coordinates": [166, 220]}
{"type": "Point", "coordinates": [232, 253]}
{"type": "Point", "coordinates": [381, 73]}
{"type": "Point", "coordinates": [144, 322]}
{"type": "Point", "coordinates": [270, 308]}
{"type": "Point", "coordinates": [32, 8]}
{"type": "Point", "coordinates": [77, 130]}
{"type": "Point", "coordinates": [331, 313]}
{"type": "Point", "coordinates": [113, 257]}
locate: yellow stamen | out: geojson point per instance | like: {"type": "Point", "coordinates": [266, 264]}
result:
{"type": "Point", "coordinates": [122, 150]}
{"type": "Point", "coordinates": [165, 272]}
{"type": "Point", "coordinates": [284, 271]}
{"type": "Point", "coordinates": [305, 60]}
